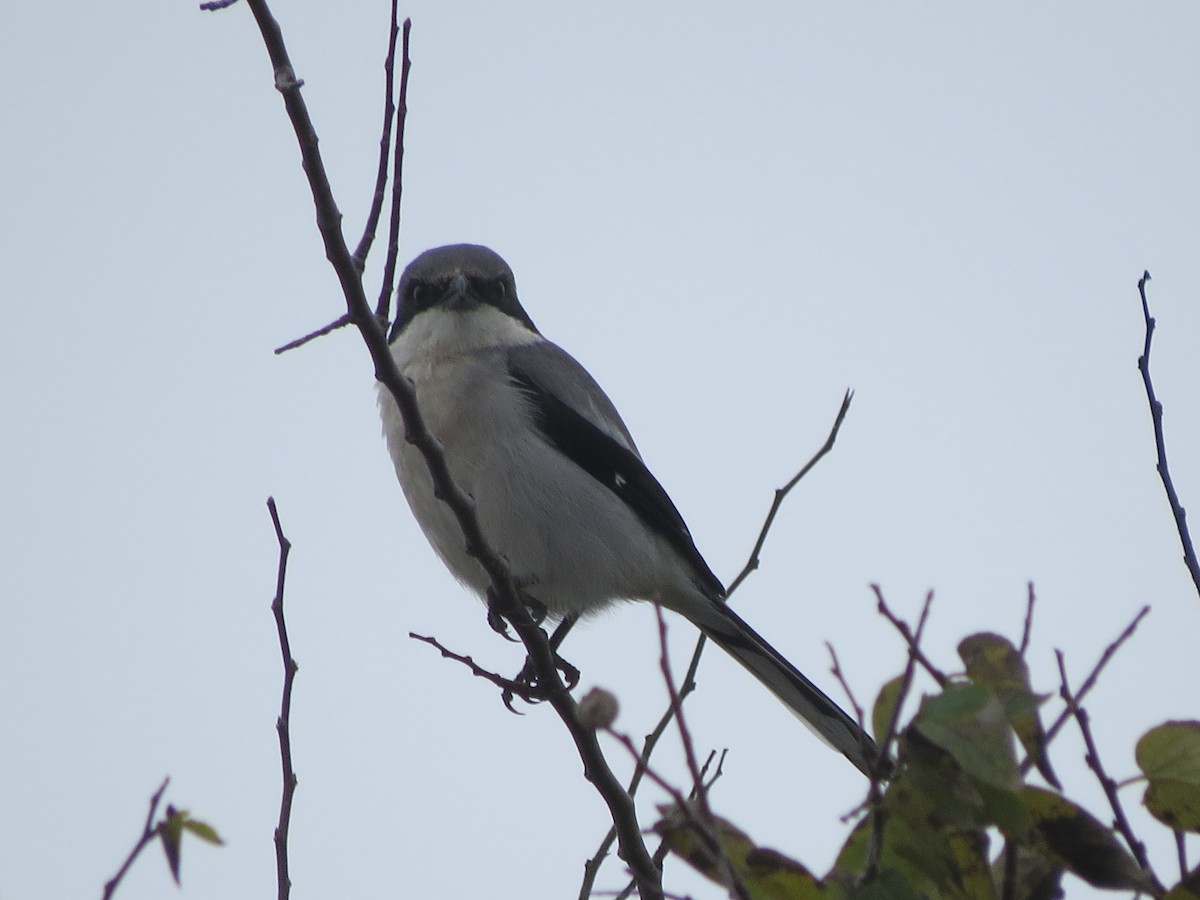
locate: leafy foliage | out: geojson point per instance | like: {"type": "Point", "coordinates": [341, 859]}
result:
{"type": "Point", "coordinates": [957, 789]}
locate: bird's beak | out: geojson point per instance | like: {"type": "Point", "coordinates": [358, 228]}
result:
{"type": "Point", "coordinates": [458, 295]}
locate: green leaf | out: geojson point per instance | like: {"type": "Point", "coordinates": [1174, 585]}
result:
{"type": "Point", "coordinates": [1036, 876]}
{"type": "Point", "coordinates": [1174, 803]}
{"type": "Point", "coordinates": [1172, 751]}
{"type": "Point", "coordinates": [1169, 755]}
{"type": "Point", "coordinates": [933, 789]}
{"type": "Point", "coordinates": [1084, 846]}
{"type": "Point", "coordinates": [969, 723]}
{"type": "Point", "coordinates": [993, 662]}
{"type": "Point", "coordinates": [885, 703]}
{"type": "Point", "coordinates": [1187, 889]}
{"type": "Point", "coordinates": [766, 874]}
{"type": "Point", "coordinates": [889, 884]}
{"type": "Point", "coordinates": [204, 831]}
{"type": "Point", "coordinates": [170, 833]}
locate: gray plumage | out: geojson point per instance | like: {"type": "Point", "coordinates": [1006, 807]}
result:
{"type": "Point", "coordinates": [559, 486]}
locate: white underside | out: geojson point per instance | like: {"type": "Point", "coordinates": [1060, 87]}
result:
{"type": "Point", "coordinates": [571, 543]}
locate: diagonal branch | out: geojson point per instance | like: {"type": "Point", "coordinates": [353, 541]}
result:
{"type": "Point", "coordinates": [1120, 821]}
{"type": "Point", "coordinates": [591, 868]}
{"type": "Point", "coordinates": [149, 832]}
{"type": "Point", "coordinates": [781, 494]}
{"type": "Point", "coordinates": [1090, 681]}
{"type": "Point", "coordinates": [1156, 415]}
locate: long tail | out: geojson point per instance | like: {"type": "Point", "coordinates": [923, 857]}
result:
{"type": "Point", "coordinates": [824, 717]}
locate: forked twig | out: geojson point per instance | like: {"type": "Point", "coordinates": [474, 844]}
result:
{"type": "Point", "coordinates": [909, 638]}
{"type": "Point", "coordinates": [507, 685]}
{"type": "Point", "coordinates": [149, 833]}
{"type": "Point", "coordinates": [1090, 681]}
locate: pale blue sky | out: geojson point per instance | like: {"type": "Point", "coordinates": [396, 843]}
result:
{"type": "Point", "coordinates": [730, 217]}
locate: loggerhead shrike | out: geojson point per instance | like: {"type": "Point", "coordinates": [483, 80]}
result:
{"type": "Point", "coordinates": [560, 489]}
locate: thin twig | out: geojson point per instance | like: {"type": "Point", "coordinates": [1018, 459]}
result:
{"type": "Point", "coordinates": [1120, 821]}
{"type": "Point", "coordinates": [875, 793]}
{"type": "Point", "coordinates": [387, 282]}
{"type": "Point", "coordinates": [1156, 415]}
{"type": "Point", "coordinates": [781, 494]}
{"type": "Point", "coordinates": [283, 724]}
{"type": "Point", "coordinates": [685, 734]}
{"type": "Point", "coordinates": [732, 881]}
{"type": "Point", "coordinates": [1090, 681]}
{"type": "Point", "coordinates": [149, 832]}
{"type": "Point", "coordinates": [592, 866]}
{"type": "Point", "coordinates": [385, 146]}
{"type": "Point", "coordinates": [340, 322]}
{"type": "Point", "coordinates": [1027, 630]}
{"type": "Point", "coordinates": [505, 684]}
{"type": "Point", "coordinates": [839, 675]}
{"type": "Point", "coordinates": [505, 598]}
{"type": "Point", "coordinates": [901, 626]}
{"type": "Point", "coordinates": [700, 820]}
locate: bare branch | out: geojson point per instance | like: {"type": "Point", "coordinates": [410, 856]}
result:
{"type": "Point", "coordinates": [732, 881]}
{"type": "Point", "coordinates": [506, 600]}
{"type": "Point", "coordinates": [1027, 629]}
{"type": "Point", "coordinates": [1090, 681]}
{"type": "Point", "coordinates": [385, 144]}
{"type": "Point", "coordinates": [701, 821]}
{"type": "Point", "coordinates": [781, 494]}
{"type": "Point", "coordinates": [592, 867]}
{"type": "Point", "coordinates": [387, 283]}
{"type": "Point", "coordinates": [149, 832]}
{"type": "Point", "coordinates": [508, 685]}
{"type": "Point", "coordinates": [836, 670]}
{"type": "Point", "coordinates": [1156, 415]}
{"type": "Point", "coordinates": [874, 803]}
{"type": "Point", "coordinates": [909, 638]}
{"type": "Point", "coordinates": [283, 724]}
{"type": "Point", "coordinates": [1120, 822]}
{"type": "Point", "coordinates": [339, 322]}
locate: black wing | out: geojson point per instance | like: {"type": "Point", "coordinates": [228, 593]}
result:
{"type": "Point", "coordinates": [614, 465]}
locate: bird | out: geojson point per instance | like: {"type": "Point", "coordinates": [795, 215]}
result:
{"type": "Point", "coordinates": [560, 489]}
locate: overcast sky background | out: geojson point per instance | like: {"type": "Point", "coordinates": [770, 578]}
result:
{"type": "Point", "coordinates": [730, 217]}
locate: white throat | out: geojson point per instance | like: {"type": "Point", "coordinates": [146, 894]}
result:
{"type": "Point", "coordinates": [438, 336]}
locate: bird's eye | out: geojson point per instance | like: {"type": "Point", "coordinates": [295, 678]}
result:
{"type": "Point", "coordinates": [420, 295]}
{"type": "Point", "coordinates": [493, 291]}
